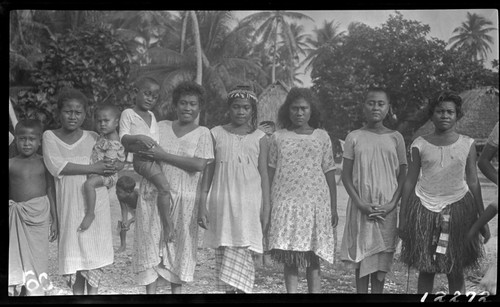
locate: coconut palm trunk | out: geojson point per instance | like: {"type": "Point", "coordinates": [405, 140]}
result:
{"type": "Point", "coordinates": [197, 41]}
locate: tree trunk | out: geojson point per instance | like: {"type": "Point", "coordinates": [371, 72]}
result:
{"type": "Point", "coordinates": [183, 32]}
{"type": "Point", "coordinates": [273, 71]}
{"type": "Point", "coordinates": [196, 33]}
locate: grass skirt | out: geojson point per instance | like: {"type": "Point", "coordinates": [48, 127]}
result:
{"type": "Point", "coordinates": [295, 258]}
{"type": "Point", "coordinates": [421, 236]}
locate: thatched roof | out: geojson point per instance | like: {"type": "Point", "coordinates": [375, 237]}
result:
{"type": "Point", "coordinates": [270, 101]}
{"type": "Point", "coordinates": [480, 108]}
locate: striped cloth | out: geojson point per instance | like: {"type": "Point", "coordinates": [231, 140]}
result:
{"type": "Point", "coordinates": [234, 268]}
{"type": "Point", "coordinates": [91, 276]}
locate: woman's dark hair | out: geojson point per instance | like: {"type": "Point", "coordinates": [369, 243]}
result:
{"type": "Point", "coordinates": [378, 89]}
{"type": "Point", "coordinates": [245, 92]}
{"type": "Point", "coordinates": [188, 88]}
{"type": "Point", "coordinates": [446, 96]}
{"type": "Point", "coordinates": [68, 94]}
{"type": "Point", "coordinates": [294, 94]}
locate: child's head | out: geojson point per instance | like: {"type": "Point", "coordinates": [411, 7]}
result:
{"type": "Point", "coordinates": [445, 110]}
{"type": "Point", "coordinates": [300, 108]}
{"type": "Point", "coordinates": [242, 102]}
{"type": "Point", "coordinates": [147, 92]}
{"type": "Point", "coordinates": [188, 98]}
{"type": "Point", "coordinates": [376, 105]}
{"type": "Point", "coordinates": [28, 133]}
{"type": "Point", "coordinates": [107, 118]}
{"type": "Point", "coordinates": [125, 186]}
{"type": "Point", "coordinates": [72, 105]}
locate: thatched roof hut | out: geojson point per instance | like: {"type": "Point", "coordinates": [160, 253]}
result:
{"type": "Point", "coordinates": [270, 100]}
{"type": "Point", "coordinates": [480, 108]}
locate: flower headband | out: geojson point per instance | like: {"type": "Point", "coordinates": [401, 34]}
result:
{"type": "Point", "coordinates": [242, 94]}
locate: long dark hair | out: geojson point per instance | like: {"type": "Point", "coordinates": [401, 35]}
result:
{"type": "Point", "coordinates": [294, 94]}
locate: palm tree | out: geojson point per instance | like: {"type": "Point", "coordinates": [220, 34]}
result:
{"type": "Point", "coordinates": [472, 36]}
{"type": "Point", "coordinates": [327, 35]}
{"type": "Point", "coordinates": [269, 25]}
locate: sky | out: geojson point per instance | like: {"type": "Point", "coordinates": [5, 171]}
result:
{"type": "Point", "coordinates": [441, 22]}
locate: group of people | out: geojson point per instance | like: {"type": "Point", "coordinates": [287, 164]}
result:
{"type": "Point", "coordinates": [253, 190]}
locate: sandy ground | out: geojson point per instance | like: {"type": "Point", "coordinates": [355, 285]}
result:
{"type": "Point", "coordinates": [336, 278]}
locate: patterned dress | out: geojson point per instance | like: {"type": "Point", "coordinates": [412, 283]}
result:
{"type": "Point", "coordinates": [370, 245]}
{"type": "Point", "coordinates": [175, 261]}
{"type": "Point", "coordinates": [301, 218]}
{"type": "Point", "coordinates": [109, 149]}
{"type": "Point", "coordinates": [93, 248]}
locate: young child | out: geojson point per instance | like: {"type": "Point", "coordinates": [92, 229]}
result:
{"type": "Point", "coordinates": [441, 200]}
{"type": "Point", "coordinates": [303, 191]}
{"type": "Point", "coordinates": [107, 147]}
{"type": "Point", "coordinates": [489, 281]}
{"type": "Point", "coordinates": [67, 151]}
{"type": "Point", "coordinates": [239, 195]}
{"type": "Point", "coordinates": [31, 211]}
{"type": "Point", "coordinates": [127, 197]}
{"type": "Point", "coordinates": [139, 131]}
{"type": "Point", "coordinates": [373, 173]}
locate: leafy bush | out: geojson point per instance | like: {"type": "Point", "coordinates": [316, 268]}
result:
{"type": "Point", "coordinates": [94, 61]}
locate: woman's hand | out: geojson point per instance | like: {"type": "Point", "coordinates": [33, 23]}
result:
{"type": "Point", "coordinates": [103, 167]}
{"type": "Point", "coordinates": [485, 232]}
{"type": "Point", "coordinates": [203, 217]}
{"type": "Point", "coordinates": [335, 219]}
{"type": "Point", "coordinates": [153, 153]}
{"type": "Point", "coordinates": [54, 232]}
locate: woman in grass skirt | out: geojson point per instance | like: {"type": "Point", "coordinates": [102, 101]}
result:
{"type": "Point", "coordinates": [440, 206]}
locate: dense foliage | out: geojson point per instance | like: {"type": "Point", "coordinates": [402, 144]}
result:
{"type": "Point", "coordinates": [398, 56]}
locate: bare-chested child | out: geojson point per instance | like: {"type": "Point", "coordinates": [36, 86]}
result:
{"type": "Point", "coordinates": [32, 213]}
{"type": "Point", "coordinates": [127, 196]}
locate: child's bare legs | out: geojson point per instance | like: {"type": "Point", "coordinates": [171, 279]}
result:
{"type": "Point", "coordinates": [79, 285]}
{"type": "Point", "coordinates": [163, 202]}
{"type": "Point", "coordinates": [361, 283]}
{"type": "Point", "coordinates": [313, 278]}
{"type": "Point", "coordinates": [176, 288]}
{"type": "Point", "coordinates": [291, 278]}
{"type": "Point", "coordinates": [151, 288]}
{"type": "Point", "coordinates": [377, 285]}
{"type": "Point", "coordinates": [456, 282]}
{"type": "Point", "coordinates": [89, 187]}
{"type": "Point", "coordinates": [425, 282]}
{"type": "Point", "coordinates": [123, 239]}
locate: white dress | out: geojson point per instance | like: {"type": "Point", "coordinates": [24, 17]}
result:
{"type": "Point", "coordinates": [93, 248]}
{"type": "Point", "coordinates": [235, 198]}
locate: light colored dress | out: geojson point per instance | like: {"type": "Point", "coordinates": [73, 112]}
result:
{"type": "Point", "coordinates": [93, 248]}
{"type": "Point", "coordinates": [175, 262]}
{"type": "Point", "coordinates": [235, 198]}
{"type": "Point", "coordinates": [301, 217]}
{"type": "Point", "coordinates": [370, 245]}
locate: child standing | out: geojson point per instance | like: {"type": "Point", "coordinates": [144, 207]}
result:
{"type": "Point", "coordinates": [489, 281]}
{"type": "Point", "coordinates": [373, 173]}
{"type": "Point", "coordinates": [441, 200]}
{"type": "Point", "coordinates": [66, 153]}
{"type": "Point", "coordinates": [139, 131]}
{"type": "Point", "coordinates": [31, 210]}
{"type": "Point", "coordinates": [239, 196]}
{"type": "Point", "coordinates": [127, 197]}
{"type": "Point", "coordinates": [303, 191]}
{"type": "Point", "coordinates": [107, 147]}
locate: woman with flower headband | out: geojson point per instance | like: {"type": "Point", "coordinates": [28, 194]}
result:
{"type": "Point", "coordinates": [239, 194]}
{"type": "Point", "coordinates": [441, 200]}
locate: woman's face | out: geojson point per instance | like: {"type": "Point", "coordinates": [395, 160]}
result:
{"type": "Point", "coordinates": [240, 111]}
{"type": "Point", "coordinates": [300, 112]}
{"type": "Point", "coordinates": [187, 108]}
{"type": "Point", "coordinates": [444, 116]}
{"type": "Point", "coordinates": [376, 106]}
{"type": "Point", "coordinates": [72, 115]}
{"type": "Point", "coordinates": [147, 96]}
